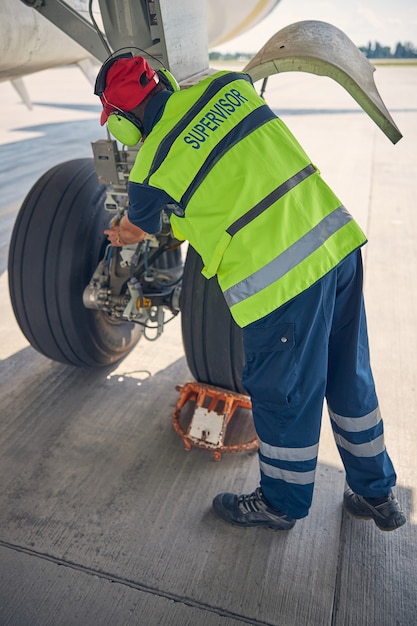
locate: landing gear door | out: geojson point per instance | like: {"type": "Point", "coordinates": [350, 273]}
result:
{"type": "Point", "coordinates": [320, 48]}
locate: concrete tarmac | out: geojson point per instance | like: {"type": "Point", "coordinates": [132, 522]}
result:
{"type": "Point", "coordinates": [104, 518]}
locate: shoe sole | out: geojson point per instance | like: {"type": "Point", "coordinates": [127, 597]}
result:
{"type": "Point", "coordinates": [368, 517]}
{"type": "Point", "coordinates": [245, 525]}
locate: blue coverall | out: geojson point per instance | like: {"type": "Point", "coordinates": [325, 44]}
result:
{"type": "Point", "coordinates": [316, 347]}
{"type": "Point", "coordinates": [313, 347]}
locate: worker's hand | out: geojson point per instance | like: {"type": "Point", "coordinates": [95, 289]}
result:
{"type": "Point", "coordinates": [123, 232]}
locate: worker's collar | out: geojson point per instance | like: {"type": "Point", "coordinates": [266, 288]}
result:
{"type": "Point", "coordinates": [154, 110]}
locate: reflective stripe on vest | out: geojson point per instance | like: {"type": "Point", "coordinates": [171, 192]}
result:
{"type": "Point", "coordinates": [270, 199]}
{"type": "Point", "coordinates": [288, 259]}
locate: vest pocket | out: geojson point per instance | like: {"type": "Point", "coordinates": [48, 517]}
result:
{"type": "Point", "coordinates": [211, 268]}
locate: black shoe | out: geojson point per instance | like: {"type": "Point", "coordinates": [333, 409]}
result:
{"type": "Point", "coordinates": [385, 512]}
{"type": "Point", "coordinates": [250, 510]}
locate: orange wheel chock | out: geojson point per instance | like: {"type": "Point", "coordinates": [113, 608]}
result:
{"type": "Point", "coordinates": [213, 410]}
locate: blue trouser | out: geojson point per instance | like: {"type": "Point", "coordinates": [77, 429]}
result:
{"type": "Point", "coordinates": [316, 347]}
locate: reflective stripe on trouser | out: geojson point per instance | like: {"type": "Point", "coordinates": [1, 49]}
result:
{"type": "Point", "coordinates": [313, 347]}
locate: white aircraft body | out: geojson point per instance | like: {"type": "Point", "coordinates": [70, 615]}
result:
{"type": "Point", "coordinates": [29, 42]}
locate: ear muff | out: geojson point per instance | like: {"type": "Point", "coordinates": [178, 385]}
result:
{"type": "Point", "coordinates": [168, 79]}
{"type": "Point", "coordinates": [125, 127]}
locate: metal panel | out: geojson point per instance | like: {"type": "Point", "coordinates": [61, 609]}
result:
{"type": "Point", "coordinates": [183, 36]}
{"type": "Point", "coordinates": [126, 23]}
{"type": "Point", "coordinates": [175, 33]}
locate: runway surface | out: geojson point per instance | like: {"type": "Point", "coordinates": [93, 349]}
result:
{"type": "Point", "coordinates": [104, 518]}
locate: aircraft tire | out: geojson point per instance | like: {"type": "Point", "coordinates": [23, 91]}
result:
{"type": "Point", "coordinates": [212, 340]}
{"type": "Point", "coordinates": [56, 244]}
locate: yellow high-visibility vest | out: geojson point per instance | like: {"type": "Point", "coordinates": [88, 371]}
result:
{"type": "Point", "coordinates": [248, 198]}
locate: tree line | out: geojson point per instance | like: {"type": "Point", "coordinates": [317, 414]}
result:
{"type": "Point", "coordinates": [371, 51]}
{"type": "Point", "coordinates": [400, 51]}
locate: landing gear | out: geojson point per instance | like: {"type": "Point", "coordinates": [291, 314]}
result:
{"type": "Point", "coordinates": [56, 244]}
{"type": "Point", "coordinates": [212, 340]}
